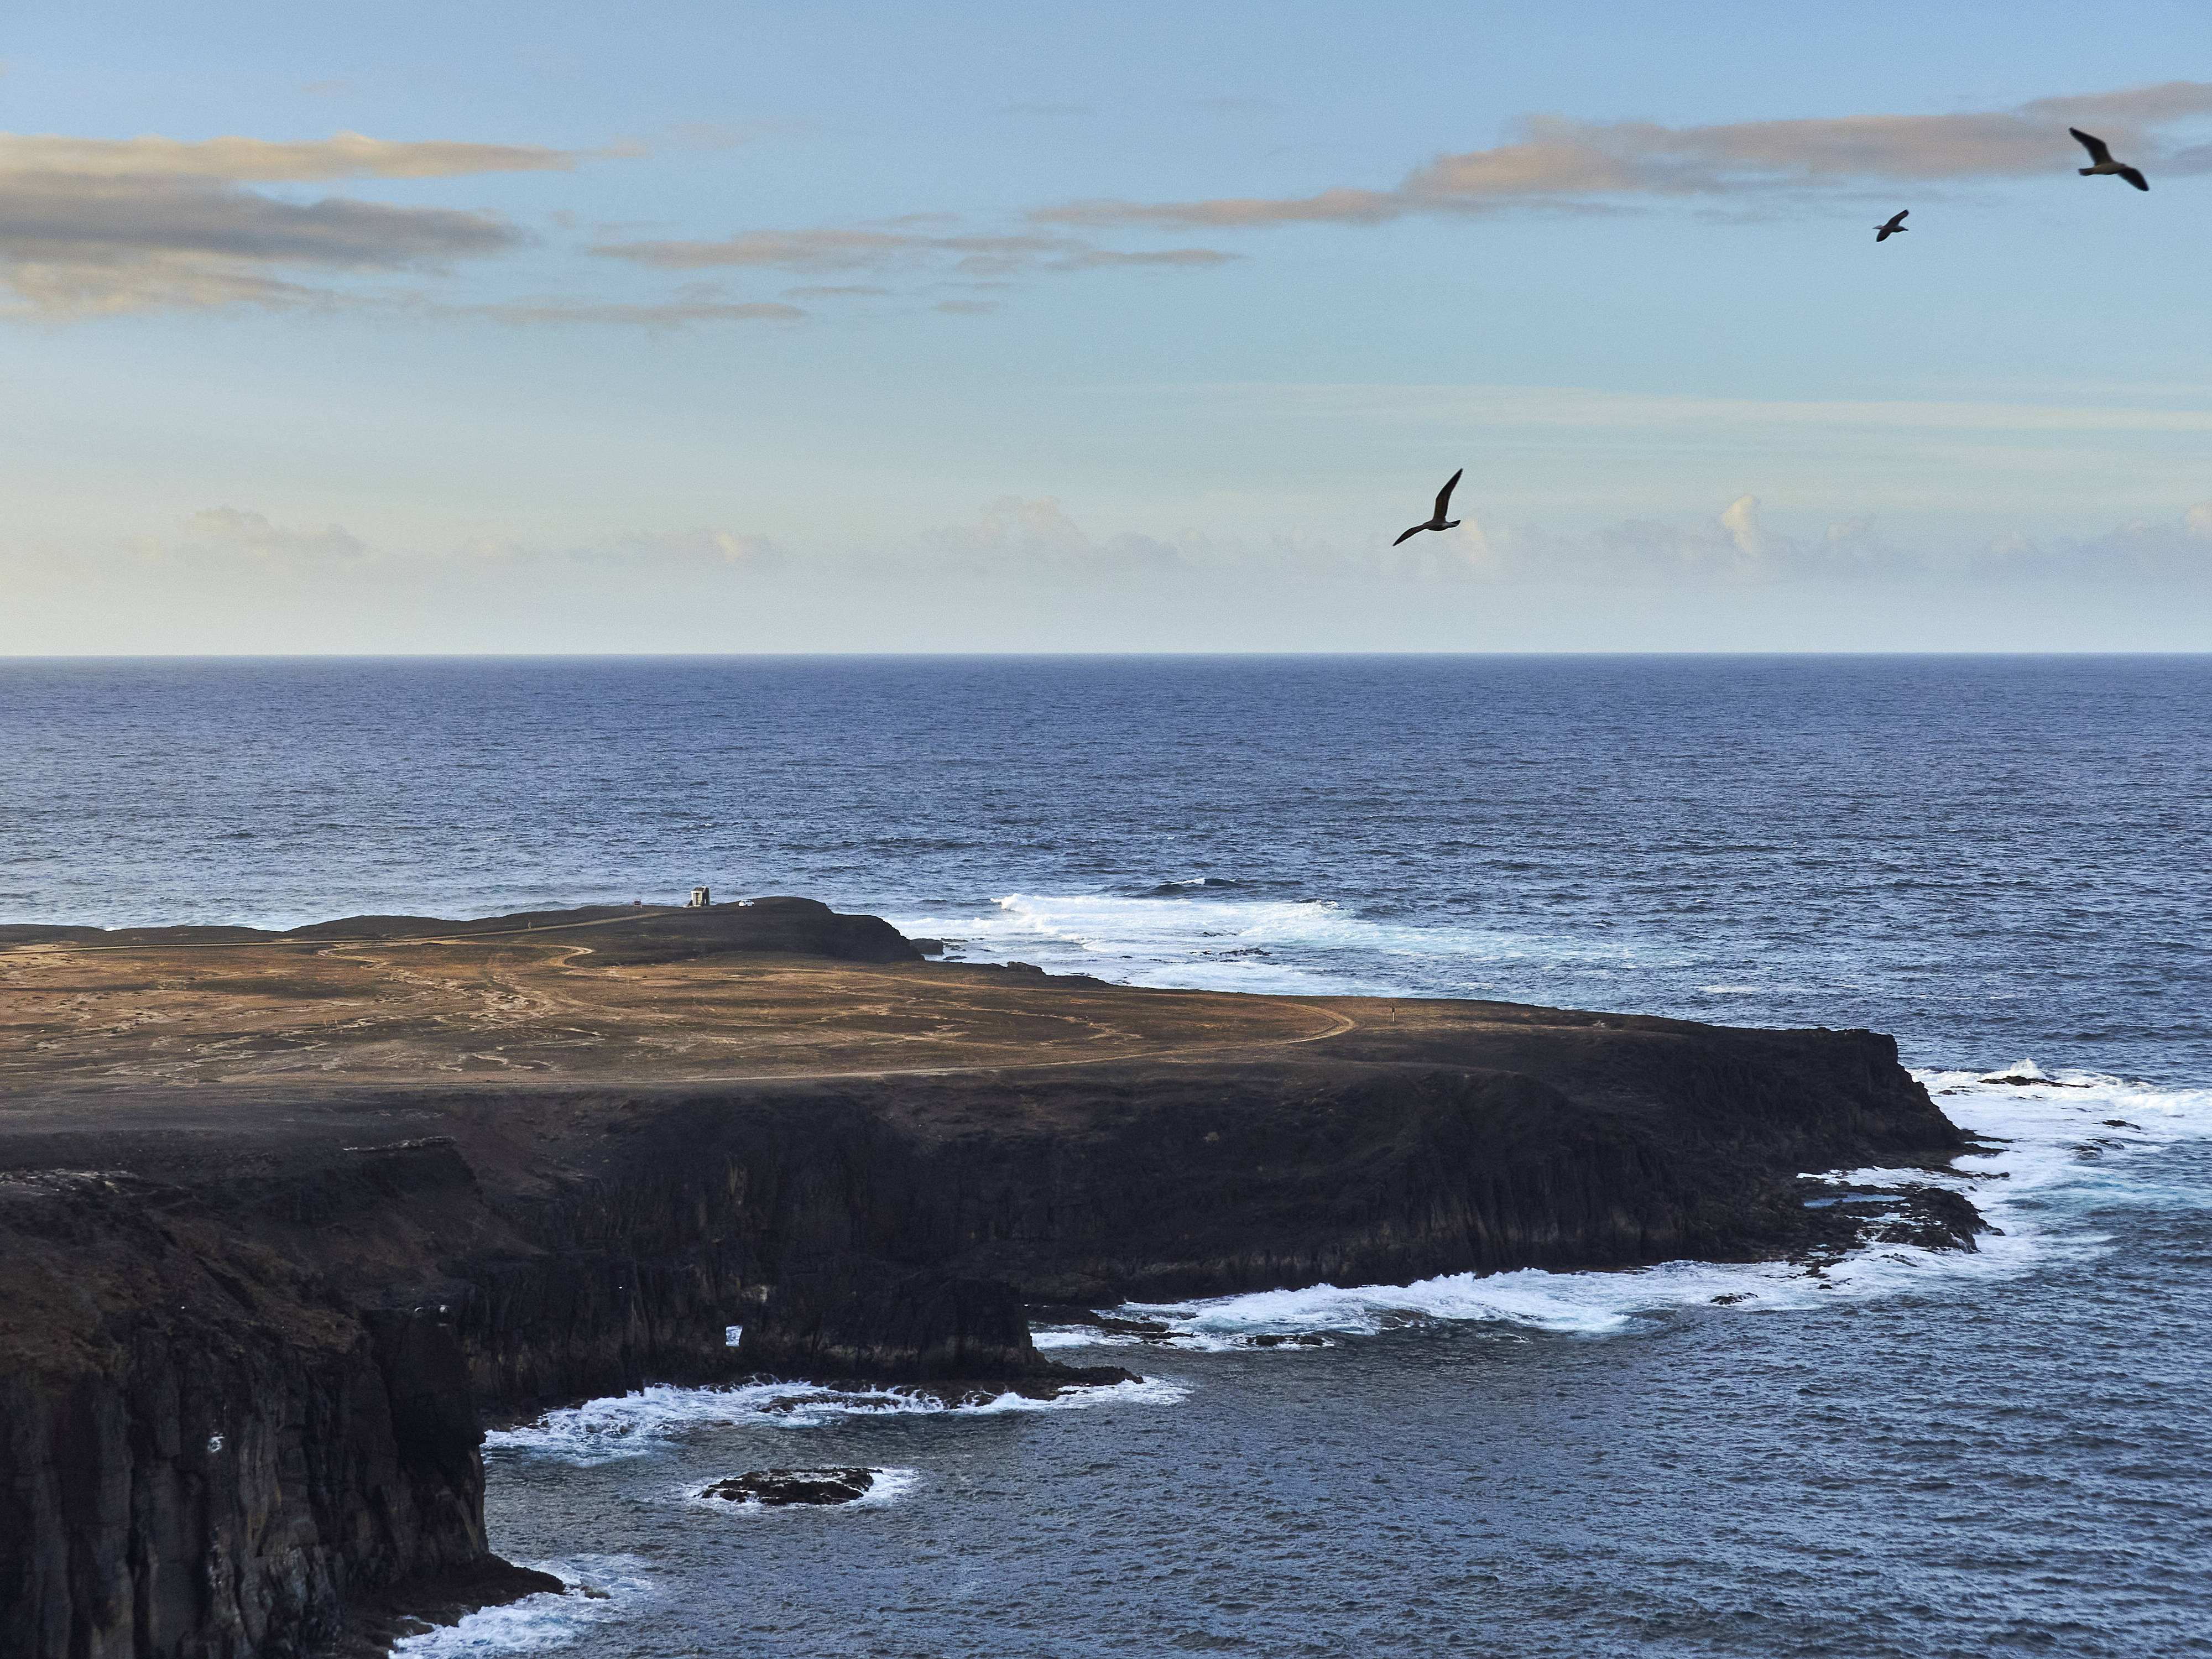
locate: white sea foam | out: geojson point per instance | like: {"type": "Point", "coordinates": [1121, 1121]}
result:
{"type": "Point", "coordinates": [1256, 945]}
{"type": "Point", "coordinates": [889, 1487]}
{"type": "Point", "coordinates": [1174, 1333]}
{"type": "Point", "coordinates": [632, 1424]}
{"type": "Point", "coordinates": [601, 1588]}
{"type": "Point", "coordinates": [2074, 1143]}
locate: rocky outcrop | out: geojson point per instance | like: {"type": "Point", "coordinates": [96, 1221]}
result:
{"type": "Point", "coordinates": [633, 933]}
{"type": "Point", "coordinates": [859, 1319]}
{"type": "Point", "coordinates": [775, 1488]}
{"type": "Point", "coordinates": [247, 1337]}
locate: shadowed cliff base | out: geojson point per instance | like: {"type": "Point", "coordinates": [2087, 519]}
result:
{"type": "Point", "coordinates": [286, 1215]}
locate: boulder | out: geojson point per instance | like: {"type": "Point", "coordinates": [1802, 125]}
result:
{"type": "Point", "coordinates": [776, 1487]}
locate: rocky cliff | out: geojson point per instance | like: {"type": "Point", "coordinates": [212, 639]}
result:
{"type": "Point", "coordinates": [253, 1307]}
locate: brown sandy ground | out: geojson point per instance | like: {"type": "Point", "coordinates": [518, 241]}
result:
{"type": "Point", "coordinates": [549, 1009]}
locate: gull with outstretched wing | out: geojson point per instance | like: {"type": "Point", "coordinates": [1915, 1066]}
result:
{"type": "Point", "coordinates": [1896, 227]}
{"type": "Point", "coordinates": [1437, 521]}
{"type": "Point", "coordinates": [2102, 155]}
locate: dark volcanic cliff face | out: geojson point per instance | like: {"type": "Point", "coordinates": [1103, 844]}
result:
{"type": "Point", "coordinates": [245, 1337]}
{"type": "Point", "coordinates": [204, 1452]}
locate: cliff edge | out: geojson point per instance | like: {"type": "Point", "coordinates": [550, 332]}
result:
{"type": "Point", "coordinates": [285, 1217]}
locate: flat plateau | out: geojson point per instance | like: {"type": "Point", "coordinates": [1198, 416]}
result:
{"type": "Point", "coordinates": [566, 1003]}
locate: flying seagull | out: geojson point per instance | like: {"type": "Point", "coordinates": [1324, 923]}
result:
{"type": "Point", "coordinates": [1444, 505]}
{"type": "Point", "coordinates": [2103, 157]}
{"type": "Point", "coordinates": [1894, 227]}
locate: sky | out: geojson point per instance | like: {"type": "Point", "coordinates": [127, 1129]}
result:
{"type": "Point", "coordinates": [993, 327]}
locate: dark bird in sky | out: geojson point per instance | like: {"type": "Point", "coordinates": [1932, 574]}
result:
{"type": "Point", "coordinates": [1444, 505]}
{"type": "Point", "coordinates": [1894, 227]}
{"type": "Point", "coordinates": [2103, 158]}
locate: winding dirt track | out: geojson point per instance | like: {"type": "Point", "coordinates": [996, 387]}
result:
{"type": "Point", "coordinates": [1339, 1024]}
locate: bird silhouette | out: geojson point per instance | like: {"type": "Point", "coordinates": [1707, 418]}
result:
{"type": "Point", "coordinates": [1437, 521]}
{"type": "Point", "coordinates": [1894, 227]}
{"type": "Point", "coordinates": [2102, 155]}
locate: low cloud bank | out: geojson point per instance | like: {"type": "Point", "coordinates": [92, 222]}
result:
{"type": "Point", "coordinates": [1025, 574]}
{"type": "Point", "coordinates": [1734, 547]}
{"type": "Point", "coordinates": [229, 530]}
{"type": "Point", "coordinates": [2142, 548]}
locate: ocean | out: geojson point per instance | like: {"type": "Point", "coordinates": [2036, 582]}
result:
{"type": "Point", "coordinates": [2005, 861]}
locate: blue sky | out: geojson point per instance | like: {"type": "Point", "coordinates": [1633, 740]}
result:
{"type": "Point", "coordinates": [735, 327]}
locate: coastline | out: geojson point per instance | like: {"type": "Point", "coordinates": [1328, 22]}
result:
{"type": "Point", "coordinates": [398, 1175]}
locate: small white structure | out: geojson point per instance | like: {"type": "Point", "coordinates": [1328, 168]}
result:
{"type": "Point", "coordinates": [698, 899]}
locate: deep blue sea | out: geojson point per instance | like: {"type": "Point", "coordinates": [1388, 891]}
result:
{"type": "Point", "coordinates": [2006, 861]}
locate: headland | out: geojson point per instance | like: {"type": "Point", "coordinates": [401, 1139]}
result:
{"type": "Point", "coordinates": [286, 1219]}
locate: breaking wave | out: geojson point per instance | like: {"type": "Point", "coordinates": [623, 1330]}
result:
{"type": "Point", "coordinates": [1171, 936]}
{"type": "Point", "coordinates": [632, 1424]}
{"type": "Point", "coordinates": [2059, 1148]}
{"type": "Point", "coordinates": [601, 1589]}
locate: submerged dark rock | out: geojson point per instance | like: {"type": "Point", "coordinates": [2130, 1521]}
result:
{"type": "Point", "coordinates": [1849, 1217]}
{"type": "Point", "coordinates": [772, 1488]}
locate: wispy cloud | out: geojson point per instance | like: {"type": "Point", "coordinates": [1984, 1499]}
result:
{"type": "Point", "coordinates": [233, 530]}
{"type": "Point", "coordinates": [238, 161]}
{"type": "Point", "coordinates": [103, 225]}
{"type": "Point", "coordinates": [1521, 407]}
{"type": "Point", "coordinates": [1096, 259]}
{"type": "Point", "coordinates": [1563, 163]}
{"type": "Point", "coordinates": [831, 250]}
{"type": "Point", "coordinates": [665, 314]}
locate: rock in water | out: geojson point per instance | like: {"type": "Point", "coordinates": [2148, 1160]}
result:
{"type": "Point", "coordinates": [776, 1487]}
